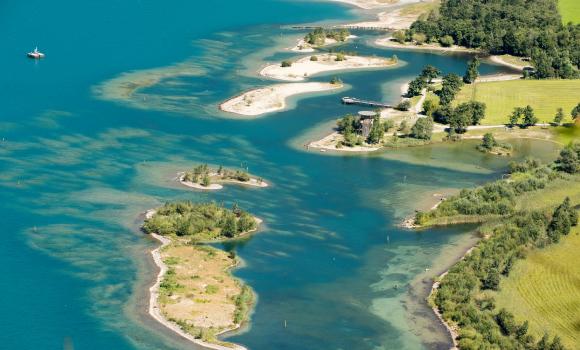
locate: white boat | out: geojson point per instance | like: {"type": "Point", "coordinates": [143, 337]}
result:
{"type": "Point", "coordinates": [35, 54]}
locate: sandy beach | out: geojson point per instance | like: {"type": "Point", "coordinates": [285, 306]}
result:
{"type": "Point", "coordinates": [368, 4]}
{"type": "Point", "coordinates": [390, 43]}
{"type": "Point", "coordinates": [305, 67]}
{"type": "Point", "coordinates": [271, 98]}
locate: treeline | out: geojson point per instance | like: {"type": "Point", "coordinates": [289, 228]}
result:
{"type": "Point", "coordinates": [525, 28]}
{"type": "Point", "coordinates": [199, 221]}
{"type": "Point", "coordinates": [499, 197]}
{"type": "Point", "coordinates": [462, 297]}
{"type": "Point", "coordinates": [318, 36]}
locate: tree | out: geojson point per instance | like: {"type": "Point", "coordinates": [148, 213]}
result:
{"type": "Point", "coordinates": [340, 57]}
{"type": "Point", "coordinates": [569, 159]}
{"type": "Point", "coordinates": [529, 118]}
{"type": "Point", "coordinates": [446, 41]}
{"type": "Point", "coordinates": [419, 38]}
{"type": "Point", "coordinates": [423, 129]}
{"type": "Point", "coordinates": [575, 112]}
{"type": "Point", "coordinates": [377, 131]}
{"type": "Point", "coordinates": [471, 73]}
{"type": "Point", "coordinates": [515, 116]}
{"type": "Point", "coordinates": [404, 105]}
{"type": "Point", "coordinates": [205, 181]}
{"type": "Point", "coordinates": [452, 83]}
{"type": "Point", "coordinates": [400, 36]}
{"type": "Point", "coordinates": [416, 86]}
{"type": "Point", "coordinates": [488, 142]}
{"type": "Point", "coordinates": [429, 73]}
{"type": "Point", "coordinates": [559, 116]}
{"type": "Point", "coordinates": [229, 228]}
{"type": "Point", "coordinates": [429, 107]}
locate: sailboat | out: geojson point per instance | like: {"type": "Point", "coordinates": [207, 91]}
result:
{"type": "Point", "coordinates": [35, 54]}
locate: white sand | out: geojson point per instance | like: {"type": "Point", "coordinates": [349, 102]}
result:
{"type": "Point", "coordinates": [271, 98]}
{"type": "Point", "coordinates": [304, 67]}
{"type": "Point", "coordinates": [388, 42]}
{"type": "Point", "coordinates": [369, 4]}
{"type": "Point", "coordinates": [211, 187]}
{"type": "Point", "coordinates": [500, 60]}
{"type": "Point", "coordinates": [393, 20]}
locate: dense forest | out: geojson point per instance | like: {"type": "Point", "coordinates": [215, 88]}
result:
{"type": "Point", "coordinates": [199, 221]}
{"type": "Point", "coordinates": [526, 28]}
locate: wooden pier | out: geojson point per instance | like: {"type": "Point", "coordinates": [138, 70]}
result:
{"type": "Point", "coordinates": [356, 101]}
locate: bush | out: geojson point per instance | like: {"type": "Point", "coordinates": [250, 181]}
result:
{"type": "Point", "coordinates": [314, 58]}
{"type": "Point", "coordinates": [446, 41]}
{"type": "Point", "coordinates": [286, 64]}
{"type": "Point", "coordinates": [404, 105]}
{"type": "Point", "coordinates": [423, 129]}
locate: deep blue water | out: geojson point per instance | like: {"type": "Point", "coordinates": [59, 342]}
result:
{"type": "Point", "coordinates": [78, 167]}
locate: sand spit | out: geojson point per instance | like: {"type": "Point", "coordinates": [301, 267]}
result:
{"type": "Point", "coordinates": [271, 98]}
{"type": "Point", "coordinates": [306, 67]}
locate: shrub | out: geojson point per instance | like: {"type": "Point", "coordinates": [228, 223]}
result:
{"type": "Point", "coordinates": [286, 64]}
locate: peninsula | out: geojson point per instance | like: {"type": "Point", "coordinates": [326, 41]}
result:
{"type": "Point", "coordinates": [307, 66]}
{"type": "Point", "coordinates": [202, 177]}
{"type": "Point", "coordinates": [195, 294]}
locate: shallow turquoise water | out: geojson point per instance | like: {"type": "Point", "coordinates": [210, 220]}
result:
{"type": "Point", "coordinates": [78, 165]}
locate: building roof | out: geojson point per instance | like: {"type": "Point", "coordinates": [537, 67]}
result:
{"type": "Point", "coordinates": [367, 114]}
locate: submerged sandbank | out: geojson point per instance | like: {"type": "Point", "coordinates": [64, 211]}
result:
{"type": "Point", "coordinates": [307, 66]}
{"type": "Point", "coordinates": [272, 98]}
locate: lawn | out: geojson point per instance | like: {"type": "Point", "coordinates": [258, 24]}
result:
{"type": "Point", "coordinates": [545, 96]}
{"type": "Point", "coordinates": [570, 11]}
{"type": "Point", "coordinates": [545, 290]}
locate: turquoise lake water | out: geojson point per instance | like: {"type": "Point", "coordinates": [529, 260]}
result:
{"type": "Point", "coordinates": [80, 159]}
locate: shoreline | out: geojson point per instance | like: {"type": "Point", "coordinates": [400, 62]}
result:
{"type": "Point", "coordinates": [155, 311]}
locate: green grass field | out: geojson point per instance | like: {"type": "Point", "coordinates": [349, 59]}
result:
{"type": "Point", "coordinates": [501, 97]}
{"type": "Point", "coordinates": [545, 290]}
{"type": "Point", "coordinates": [570, 10]}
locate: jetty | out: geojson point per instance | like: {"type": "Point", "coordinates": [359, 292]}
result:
{"type": "Point", "coordinates": [356, 101]}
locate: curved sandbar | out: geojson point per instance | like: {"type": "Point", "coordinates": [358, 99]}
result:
{"type": "Point", "coordinates": [271, 98]}
{"type": "Point", "coordinates": [195, 294]}
{"type": "Point", "coordinates": [305, 67]}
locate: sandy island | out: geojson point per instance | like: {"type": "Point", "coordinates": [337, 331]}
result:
{"type": "Point", "coordinates": [305, 67]}
{"type": "Point", "coordinates": [271, 98]}
{"type": "Point", "coordinates": [303, 46]}
{"type": "Point", "coordinates": [206, 304]}
{"type": "Point", "coordinates": [217, 181]}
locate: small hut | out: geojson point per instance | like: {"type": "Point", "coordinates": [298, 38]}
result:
{"type": "Point", "coordinates": [366, 121]}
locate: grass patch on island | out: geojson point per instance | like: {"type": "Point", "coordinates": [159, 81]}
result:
{"type": "Point", "coordinates": [544, 289]}
{"type": "Point", "coordinates": [501, 97]}
{"type": "Point", "coordinates": [570, 11]}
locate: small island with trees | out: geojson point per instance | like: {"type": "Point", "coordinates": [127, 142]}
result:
{"type": "Point", "coordinates": [205, 178]}
{"type": "Point", "coordinates": [195, 293]}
